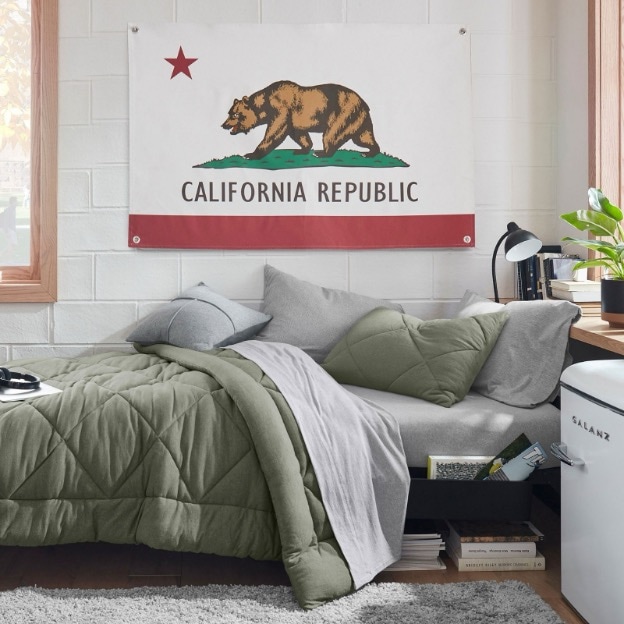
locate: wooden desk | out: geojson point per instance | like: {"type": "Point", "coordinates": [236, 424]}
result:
{"type": "Point", "coordinates": [591, 329]}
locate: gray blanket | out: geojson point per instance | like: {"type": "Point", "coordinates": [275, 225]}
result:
{"type": "Point", "coordinates": [356, 451]}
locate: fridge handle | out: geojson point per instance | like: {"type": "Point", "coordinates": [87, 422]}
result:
{"type": "Point", "coordinates": [560, 451]}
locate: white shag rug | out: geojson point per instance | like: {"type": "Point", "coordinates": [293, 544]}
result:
{"type": "Point", "coordinates": [478, 602]}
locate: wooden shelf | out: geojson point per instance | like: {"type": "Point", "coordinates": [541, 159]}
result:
{"type": "Point", "coordinates": [591, 329]}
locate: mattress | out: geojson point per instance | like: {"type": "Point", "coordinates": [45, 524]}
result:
{"type": "Point", "coordinates": [474, 426]}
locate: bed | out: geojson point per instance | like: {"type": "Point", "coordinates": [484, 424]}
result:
{"type": "Point", "coordinates": [237, 432]}
{"type": "Point", "coordinates": [476, 425]}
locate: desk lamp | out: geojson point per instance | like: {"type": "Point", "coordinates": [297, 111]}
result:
{"type": "Point", "coordinates": [519, 245]}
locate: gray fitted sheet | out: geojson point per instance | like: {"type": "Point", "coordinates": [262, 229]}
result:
{"type": "Point", "coordinates": [474, 426]}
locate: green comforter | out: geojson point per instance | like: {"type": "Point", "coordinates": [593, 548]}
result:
{"type": "Point", "coordinates": [172, 448]}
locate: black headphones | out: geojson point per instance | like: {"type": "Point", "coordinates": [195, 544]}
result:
{"type": "Point", "coordinates": [18, 381]}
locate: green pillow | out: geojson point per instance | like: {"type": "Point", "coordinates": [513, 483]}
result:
{"type": "Point", "coordinates": [433, 360]}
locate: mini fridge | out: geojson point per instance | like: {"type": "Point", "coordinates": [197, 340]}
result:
{"type": "Point", "coordinates": [592, 489]}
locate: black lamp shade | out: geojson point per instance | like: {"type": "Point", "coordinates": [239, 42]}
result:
{"type": "Point", "coordinates": [520, 244]}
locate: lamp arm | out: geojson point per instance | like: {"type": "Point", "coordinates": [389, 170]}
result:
{"type": "Point", "coordinates": [496, 248]}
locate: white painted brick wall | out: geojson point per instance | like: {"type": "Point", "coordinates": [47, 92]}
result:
{"type": "Point", "coordinates": [530, 154]}
{"type": "Point", "coordinates": [74, 103]}
{"type": "Point", "coordinates": [74, 18]}
{"type": "Point", "coordinates": [110, 98]}
{"type": "Point", "coordinates": [367, 12]}
{"type": "Point", "coordinates": [110, 186]}
{"type": "Point", "coordinates": [236, 277]}
{"type": "Point", "coordinates": [24, 323]}
{"type": "Point", "coordinates": [74, 190]}
{"type": "Point", "coordinates": [481, 15]}
{"type": "Point", "coordinates": [302, 11]}
{"type": "Point", "coordinates": [397, 275]}
{"type": "Point", "coordinates": [100, 230]}
{"type": "Point", "coordinates": [131, 277]}
{"type": "Point", "coordinates": [219, 11]}
{"type": "Point", "coordinates": [75, 281]}
{"type": "Point", "coordinates": [92, 322]}
{"type": "Point", "coordinates": [83, 58]}
{"type": "Point", "coordinates": [114, 15]}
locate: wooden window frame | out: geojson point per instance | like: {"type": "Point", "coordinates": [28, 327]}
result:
{"type": "Point", "coordinates": [605, 97]}
{"type": "Point", "coordinates": [606, 101]}
{"type": "Point", "coordinates": [37, 282]}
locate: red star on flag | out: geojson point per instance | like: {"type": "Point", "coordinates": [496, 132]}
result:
{"type": "Point", "coordinates": [181, 64]}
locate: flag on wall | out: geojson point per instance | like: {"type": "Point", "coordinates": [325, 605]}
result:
{"type": "Point", "coordinates": [300, 136]}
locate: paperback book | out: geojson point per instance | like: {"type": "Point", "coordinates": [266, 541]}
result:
{"type": "Point", "coordinates": [420, 551]}
{"type": "Point", "coordinates": [493, 550]}
{"type": "Point", "coordinates": [521, 466]}
{"type": "Point", "coordinates": [576, 296]}
{"type": "Point", "coordinates": [476, 550]}
{"type": "Point", "coordinates": [461, 531]}
{"type": "Point", "coordinates": [575, 285]}
{"type": "Point", "coordinates": [491, 564]}
{"type": "Point", "coordinates": [512, 450]}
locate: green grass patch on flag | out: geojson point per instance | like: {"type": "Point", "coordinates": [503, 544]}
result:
{"type": "Point", "coordinates": [287, 159]}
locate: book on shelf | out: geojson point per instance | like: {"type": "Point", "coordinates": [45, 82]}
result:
{"type": "Point", "coordinates": [491, 564]}
{"type": "Point", "coordinates": [576, 285]}
{"type": "Point", "coordinates": [461, 531]}
{"type": "Point", "coordinates": [576, 296]}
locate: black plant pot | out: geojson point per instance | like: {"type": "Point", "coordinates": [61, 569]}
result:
{"type": "Point", "coordinates": [612, 301]}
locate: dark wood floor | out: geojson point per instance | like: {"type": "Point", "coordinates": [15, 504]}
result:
{"type": "Point", "coordinates": [121, 566]}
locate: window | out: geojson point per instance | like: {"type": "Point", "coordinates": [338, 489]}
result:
{"type": "Point", "coordinates": [28, 138]}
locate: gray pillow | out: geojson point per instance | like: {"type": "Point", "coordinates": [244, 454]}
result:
{"type": "Point", "coordinates": [526, 363]}
{"type": "Point", "coordinates": [199, 319]}
{"type": "Point", "coordinates": [311, 317]}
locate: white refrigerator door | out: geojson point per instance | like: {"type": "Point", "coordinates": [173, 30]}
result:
{"type": "Point", "coordinates": [592, 508]}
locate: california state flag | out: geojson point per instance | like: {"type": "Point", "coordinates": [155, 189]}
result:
{"type": "Point", "coordinates": [300, 136]}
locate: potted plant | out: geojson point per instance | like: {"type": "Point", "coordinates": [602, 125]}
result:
{"type": "Point", "coordinates": [603, 219]}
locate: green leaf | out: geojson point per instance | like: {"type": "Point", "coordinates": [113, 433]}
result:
{"type": "Point", "coordinates": [598, 223]}
{"type": "Point", "coordinates": [599, 202]}
{"type": "Point", "coordinates": [586, 264]}
{"type": "Point", "coordinates": [590, 243]}
{"type": "Point", "coordinates": [614, 268]}
{"type": "Point", "coordinates": [604, 247]}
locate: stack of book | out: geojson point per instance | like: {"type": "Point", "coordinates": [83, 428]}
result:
{"type": "Point", "coordinates": [534, 275]}
{"type": "Point", "coordinates": [576, 291]}
{"type": "Point", "coordinates": [490, 546]}
{"type": "Point", "coordinates": [420, 551]}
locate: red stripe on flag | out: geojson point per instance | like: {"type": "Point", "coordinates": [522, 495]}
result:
{"type": "Point", "coordinates": [300, 232]}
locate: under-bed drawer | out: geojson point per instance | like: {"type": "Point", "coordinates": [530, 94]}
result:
{"type": "Point", "coordinates": [437, 499]}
